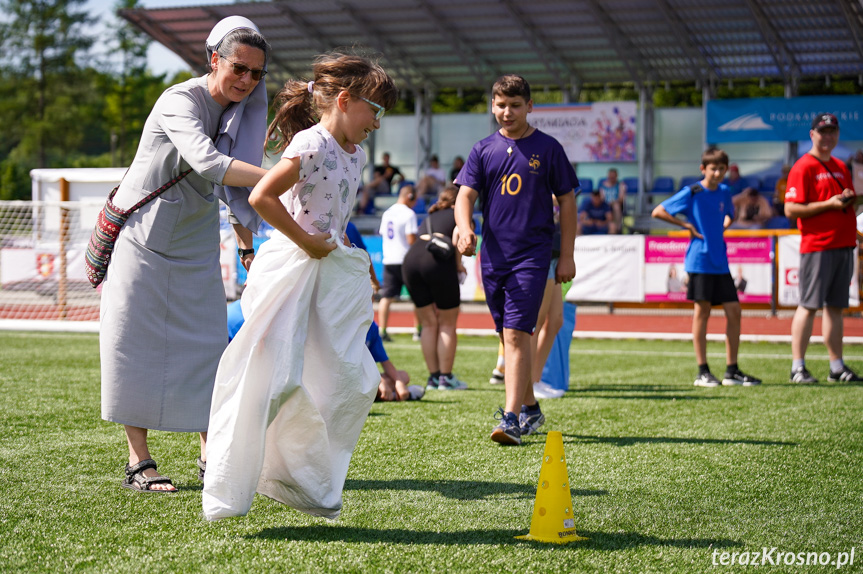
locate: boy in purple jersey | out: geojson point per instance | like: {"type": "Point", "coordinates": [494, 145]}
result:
{"type": "Point", "coordinates": [515, 171]}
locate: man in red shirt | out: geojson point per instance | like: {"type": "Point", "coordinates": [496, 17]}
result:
{"type": "Point", "coordinates": [820, 195]}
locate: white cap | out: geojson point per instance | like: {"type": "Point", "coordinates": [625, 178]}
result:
{"type": "Point", "coordinates": [225, 27]}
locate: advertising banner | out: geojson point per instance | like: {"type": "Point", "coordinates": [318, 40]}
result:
{"type": "Point", "coordinates": [780, 119]}
{"type": "Point", "coordinates": [599, 132]}
{"type": "Point", "coordinates": [664, 277]}
{"type": "Point", "coordinates": [608, 268]}
{"type": "Point", "coordinates": [749, 260]}
{"type": "Point", "coordinates": [788, 265]}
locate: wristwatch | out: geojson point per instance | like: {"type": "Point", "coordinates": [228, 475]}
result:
{"type": "Point", "coordinates": [243, 252]}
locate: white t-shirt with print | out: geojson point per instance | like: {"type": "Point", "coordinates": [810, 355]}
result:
{"type": "Point", "coordinates": [397, 223]}
{"type": "Point", "coordinates": [323, 199]}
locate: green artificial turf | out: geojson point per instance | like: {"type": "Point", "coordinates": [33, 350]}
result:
{"type": "Point", "coordinates": [664, 476]}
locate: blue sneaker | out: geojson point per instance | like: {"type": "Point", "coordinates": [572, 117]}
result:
{"type": "Point", "coordinates": [507, 432]}
{"type": "Point", "coordinates": [529, 423]}
{"type": "Point", "coordinates": [432, 383]}
{"type": "Point", "coordinates": [450, 383]}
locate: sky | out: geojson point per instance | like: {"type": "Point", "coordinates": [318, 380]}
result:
{"type": "Point", "coordinates": [159, 59]}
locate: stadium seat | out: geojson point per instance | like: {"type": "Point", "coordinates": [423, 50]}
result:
{"type": "Point", "coordinates": [778, 222]}
{"type": "Point", "coordinates": [631, 185]}
{"type": "Point", "coordinates": [751, 181]}
{"type": "Point", "coordinates": [420, 206]}
{"type": "Point", "coordinates": [769, 183]}
{"type": "Point", "coordinates": [586, 185]}
{"type": "Point", "coordinates": [663, 184]}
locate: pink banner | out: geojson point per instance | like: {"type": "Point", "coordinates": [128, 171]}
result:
{"type": "Point", "coordinates": [749, 260]}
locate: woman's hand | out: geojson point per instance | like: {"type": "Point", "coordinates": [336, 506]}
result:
{"type": "Point", "coordinates": [247, 260]}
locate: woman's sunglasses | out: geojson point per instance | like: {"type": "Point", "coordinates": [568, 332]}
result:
{"type": "Point", "coordinates": [240, 70]}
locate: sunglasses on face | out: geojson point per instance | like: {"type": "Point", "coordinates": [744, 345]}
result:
{"type": "Point", "coordinates": [379, 109]}
{"type": "Point", "coordinates": [240, 70]}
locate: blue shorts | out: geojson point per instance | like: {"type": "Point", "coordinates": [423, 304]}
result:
{"type": "Point", "coordinates": [514, 297]}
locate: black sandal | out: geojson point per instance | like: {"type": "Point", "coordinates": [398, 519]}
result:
{"type": "Point", "coordinates": [135, 479]}
{"type": "Point", "coordinates": [202, 468]}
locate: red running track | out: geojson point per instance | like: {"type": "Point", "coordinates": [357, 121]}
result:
{"type": "Point", "coordinates": [623, 322]}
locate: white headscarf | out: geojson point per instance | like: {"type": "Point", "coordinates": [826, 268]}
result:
{"type": "Point", "coordinates": [242, 130]}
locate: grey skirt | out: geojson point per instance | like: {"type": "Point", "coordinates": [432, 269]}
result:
{"type": "Point", "coordinates": [163, 315]}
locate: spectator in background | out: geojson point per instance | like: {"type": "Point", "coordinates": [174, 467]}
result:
{"type": "Point", "coordinates": [457, 164]}
{"type": "Point", "coordinates": [752, 210]}
{"type": "Point", "coordinates": [820, 196]}
{"type": "Point", "coordinates": [433, 282]}
{"type": "Point", "coordinates": [779, 190]}
{"type": "Point", "coordinates": [734, 181]}
{"type": "Point", "coordinates": [433, 179]}
{"type": "Point", "coordinates": [614, 192]}
{"type": "Point", "coordinates": [398, 231]}
{"type": "Point", "coordinates": [594, 215]}
{"type": "Point", "coordinates": [374, 188]}
{"type": "Point", "coordinates": [389, 172]}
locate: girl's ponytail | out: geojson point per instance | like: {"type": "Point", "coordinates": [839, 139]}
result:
{"type": "Point", "coordinates": [294, 113]}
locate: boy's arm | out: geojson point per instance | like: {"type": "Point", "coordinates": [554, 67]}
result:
{"type": "Point", "coordinates": [463, 218]}
{"type": "Point", "coordinates": [568, 221]}
{"type": "Point", "coordinates": [390, 370]}
{"type": "Point", "coordinates": [660, 213]}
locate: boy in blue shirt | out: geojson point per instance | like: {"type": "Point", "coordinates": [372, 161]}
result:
{"type": "Point", "coordinates": [709, 211]}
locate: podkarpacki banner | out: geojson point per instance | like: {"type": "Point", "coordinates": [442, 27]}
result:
{"type": "Point", "coordinates": [603, 131]}
{"type": "Point", "coordinates": [780, 119]}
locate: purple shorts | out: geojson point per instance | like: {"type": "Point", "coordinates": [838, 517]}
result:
{"type": "Point", "coordinates": [514, 297]}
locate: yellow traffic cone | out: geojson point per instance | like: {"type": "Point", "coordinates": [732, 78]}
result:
{"type": "Point", "coordinates": [553, 519]}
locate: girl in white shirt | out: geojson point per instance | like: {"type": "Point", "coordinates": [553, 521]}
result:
{"type": "Point", "coordinates": [295, 385]}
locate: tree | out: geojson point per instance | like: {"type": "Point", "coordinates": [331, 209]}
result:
{"type": "Point", "coordinates": [132, 91]}
{"type": "Point", "coordinates": [42, 40]}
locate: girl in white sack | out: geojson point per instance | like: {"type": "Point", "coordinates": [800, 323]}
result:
{"type": "Point", "coordinates": [295, 385]}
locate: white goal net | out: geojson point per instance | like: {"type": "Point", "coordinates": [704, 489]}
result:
{"type": "Point", "coordinates": [42, 246]}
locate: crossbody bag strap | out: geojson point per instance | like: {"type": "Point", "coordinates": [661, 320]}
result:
{"type": "Point", "coordinates": [153, 195]}
{"type": "Point", "coordinates": [836, 179]}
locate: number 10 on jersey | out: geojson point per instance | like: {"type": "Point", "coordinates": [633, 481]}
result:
{"type": "Point", "coordinates": [510, 184]}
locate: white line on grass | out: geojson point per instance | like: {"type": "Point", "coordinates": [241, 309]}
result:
{"type": "Point", "coordinates": [575, 350]}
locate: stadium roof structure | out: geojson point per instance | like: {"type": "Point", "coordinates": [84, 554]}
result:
{"type": "Point", "coordinates": [434, 44]}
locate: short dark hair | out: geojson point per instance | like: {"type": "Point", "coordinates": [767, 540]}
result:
{"type": "Point", "coordinates": [511, 86]}
{"type": "Point", "coordinates": [714, 155]}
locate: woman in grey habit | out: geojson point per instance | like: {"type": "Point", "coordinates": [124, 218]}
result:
{"type": "Point", "coordinates": [163, 312]}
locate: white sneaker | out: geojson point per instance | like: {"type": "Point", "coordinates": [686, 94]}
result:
{"type": "Point", "coordinates": [496, 377]}
{"type": "Point", "coordinates": [543, 390]}
{"type": "Point", "coordinates": [706, 380]}
{"type": "Point", "coordinates": [416, 392]}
